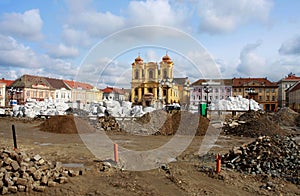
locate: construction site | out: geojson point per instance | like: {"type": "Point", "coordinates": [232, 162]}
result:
{"type": "Point", "coordinates": [248, 153]}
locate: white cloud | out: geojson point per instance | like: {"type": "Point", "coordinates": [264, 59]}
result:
{"type": "Point", "coordinates": [291, 46]}
{"type": "Point", "coordinates": [15, 54]}
{"type": "Point", "coordinates": [155, 12]}
{"type": "Point", "coordinates": [27, 25]}
{"type": "Point", "coordinates": [62, 51]}
{"type": "Point", "coordinates": [23, 59]}
{"type": "Point", "coordinates": [218, 16]}
{"type": "Point", "coordinates": [251, 64]}
{"type": "Point", "coordinates": [74, 37]}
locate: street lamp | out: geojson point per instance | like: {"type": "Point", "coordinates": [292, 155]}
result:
{"type": "Point", "coordinates": [167, 84]}
{"type": "Point", "coordinates": [12, 91]}
{"type": "Point", "coordinates": [207, 90]}
{"type": "Point", "coordinates": [186, 87]}
{"type": "Point", "coordinates": [250, 91]}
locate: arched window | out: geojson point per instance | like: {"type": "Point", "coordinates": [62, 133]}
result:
{"type": "Point", "coordinates": [165, 73]}
{"type": "Point", "coordinates": [136, 74]}
{"type": "Point", "coordinates": [151, 74]}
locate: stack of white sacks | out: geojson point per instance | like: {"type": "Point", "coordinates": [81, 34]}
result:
{"type": "Point", "coordinates": [33, 108]}
{"type": "Point", "coordinates": [235, 103]}
{"type": "Point", "coordinates": [117, 109]}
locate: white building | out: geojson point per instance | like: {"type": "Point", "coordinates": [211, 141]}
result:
{"type": "Point", "coordinates": [203, 91]}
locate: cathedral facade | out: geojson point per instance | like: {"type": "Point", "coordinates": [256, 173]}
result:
{"type": "Point", "coordinates": [153, 82]}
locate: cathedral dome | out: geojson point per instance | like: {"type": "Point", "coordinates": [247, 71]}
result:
{"type": "Point", "coordinates": [138, 59]}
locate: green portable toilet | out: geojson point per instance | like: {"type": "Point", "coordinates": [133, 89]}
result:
{"type": "Point", "coordinates": [202, 109]}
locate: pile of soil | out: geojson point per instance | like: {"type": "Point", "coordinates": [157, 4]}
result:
{"type": "Point", "coordinates": [160, 122]}
{"type": "Point", "coordinates": [184, 123]}
{"type": "Point", "coordinates": [59, 124]}
{"type": "Point", "coordinates": [287, 117]}
{"type": "Point", "coordinates": [254, 124]}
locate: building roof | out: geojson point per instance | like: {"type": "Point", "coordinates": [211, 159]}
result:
{"type": "Point", "coordinates": [6, 82]}
{"type": "Point", "coordinates": [290, 78]}
{"type": "Point", "coordinates": [28, 81]}
{"type": "Point", "coordinates": [113, 90]}
{"type": "Point", "coordinates": [226, 82]}
{"type": "Point", "coordinates": [57, 83]}
{"type": "Point", "coordinates": [181, 81]}
{"type": "Point", "coordinates": [78, 85]}
{"type": "Point", "coordinates": [240, 82]}
{"type": "Point", "coordinates": [295, 87]}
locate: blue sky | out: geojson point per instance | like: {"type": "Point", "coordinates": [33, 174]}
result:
{"type": "Point", "coordinates": [244, 38]}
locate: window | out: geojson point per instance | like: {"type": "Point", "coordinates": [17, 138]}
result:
{"type": "Point", "coordinates": [165, 73]}
{"type": "Point", "coordinates": [273, 98]}
{"type": "Point", "coordinates": [260, 98]}
{"type": "Point", "coordinates": [216, 90]}
{"type": "Point", "coordinates": [260, 90]}
{"type": "Point", "coordinates": [217, 97]}
{"type": "Point", "coordinates": [28, 94]}
{"type": "Point", "coordinates": [151, 74]}
{"type": "Point", "coordinates": [268, 98]}
{"type": "Point", "coordinates": [34, 93]}
{"type": "Point", "coordinates": [267, 90]}
{"type": "Point", "coordinates": [136, 74]}
{"type": "Point", "coordinates": [56, 95]}
{"type": "Point", "coordinates": [240, 90]}
{"type": "Point", "coordinates": [273, 90]}
{"type": "Point", "coordinates": [41, 94]}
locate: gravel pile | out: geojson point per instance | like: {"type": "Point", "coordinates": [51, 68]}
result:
{"type": "Point", "coordinates": [277, 156]}
{"type": "Point", "coordinates": [20, 172]}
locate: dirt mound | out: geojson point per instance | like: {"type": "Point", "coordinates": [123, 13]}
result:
{"type": "Point", "coordinates": [287, 117]}
{"type": "Point", "coordinates": [253, 124]}
{"type": "Point", "coordinates": [59, 124]}
{"type": "Point", "coordinates": [275, 156]}
{"type": "Point", "coordinates": [160, 122]}
{"type": "Point", "coordinates": [184, 123]}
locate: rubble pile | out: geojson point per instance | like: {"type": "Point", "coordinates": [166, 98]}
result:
{"type": "Point", "coordinates": [109, 123]}
{"type": "Point", "coordinates": [20, 172]}
{"type": "Point", "coordinates": [253, 124]}
{"type": "Point", "coordinates": [277, 156]}
{"type": "Point", "coordinates": [287, 117]}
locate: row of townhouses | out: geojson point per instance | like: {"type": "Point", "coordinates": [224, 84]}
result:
{"type": "Point", "coordinates": [40, 88]}
{"type": "Point", "coordinates": [153, 83]}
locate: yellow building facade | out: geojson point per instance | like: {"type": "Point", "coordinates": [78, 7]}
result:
{"type": "Point", "coordinates": [153, 82]}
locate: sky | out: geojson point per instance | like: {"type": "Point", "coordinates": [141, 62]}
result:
{"type": "Point", "coordinates": [97, 41]}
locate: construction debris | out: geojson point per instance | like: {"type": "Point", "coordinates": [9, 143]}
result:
{"type": "Point", "coordinates": [20, 172]}
{"type": "Point", "coordinates": [277, 156]}
{"type": "Point", "coordinates": [253, 124]}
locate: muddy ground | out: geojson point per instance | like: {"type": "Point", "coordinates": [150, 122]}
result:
{"type": "Point", "coordinates": [187, 175]}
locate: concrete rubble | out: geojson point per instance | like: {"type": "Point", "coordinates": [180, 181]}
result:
{"type": "Point", "coordinates": [277, 156]}
{"type": "Point", "coordinates": [20, 172]}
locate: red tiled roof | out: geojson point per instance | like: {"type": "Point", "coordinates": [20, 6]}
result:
{"type": "Point", "coordinates": [7, 82]}
{"type": "Point", "coordinates": [74, 85]}
{"type": "Point", "coordinates": [243, 81]}
{"type": "Point", "coordinates": [111, 89]}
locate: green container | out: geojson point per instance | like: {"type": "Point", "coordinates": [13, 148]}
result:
{"type": "Point", "coordinates": [202, 109]}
